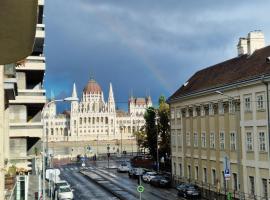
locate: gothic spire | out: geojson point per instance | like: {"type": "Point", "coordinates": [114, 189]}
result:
{"type": "Point", "coordinates": [74, 91]}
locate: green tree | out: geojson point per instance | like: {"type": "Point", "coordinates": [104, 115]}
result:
{"type": "Point", "coordinates": [164, 127]}
{"type": "Point", "coordinates": [151, 131]}
{"type": "Point", "coordinates": [141, 138]}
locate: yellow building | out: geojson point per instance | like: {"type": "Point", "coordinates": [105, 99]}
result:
{"type": "Point", "coordinates": [223, 111]}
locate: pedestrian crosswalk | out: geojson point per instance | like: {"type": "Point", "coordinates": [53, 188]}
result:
{"type": "Point", "coordinates": [75, 168]}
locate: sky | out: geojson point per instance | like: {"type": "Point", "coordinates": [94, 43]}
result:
{"type": "Point", "coordinates": [142, 47]}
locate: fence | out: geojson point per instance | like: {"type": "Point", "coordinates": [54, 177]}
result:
{"type": "Point", "coordinates": [209, 191]}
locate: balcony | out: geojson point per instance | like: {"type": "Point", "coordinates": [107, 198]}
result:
{"type": "Point", "coordinates": [26, 129]}
{"type": "Point", "coordinates": [40, 31]}
{"type": "Point", "coordinates": [32, 63]}
{"type": "Point", "coordinates": [30, 96]}
{"type": "Point", "coordinates": [10, 81]}
{"type": "Point", "coordinates": [41, 2]}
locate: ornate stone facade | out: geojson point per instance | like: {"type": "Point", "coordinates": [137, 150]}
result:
{"type": "Point", "coordinates": [92, 118]}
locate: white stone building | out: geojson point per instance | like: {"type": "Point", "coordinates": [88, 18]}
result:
{"type": "Point", "coordinates": [92, 118]}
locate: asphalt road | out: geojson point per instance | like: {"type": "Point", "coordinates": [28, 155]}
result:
{"type": "Point", "coordinates": [83, 188]}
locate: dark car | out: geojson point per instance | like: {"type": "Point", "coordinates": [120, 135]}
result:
{"type": "Point", "coordinates": [161, 181]}
{"type": "Point", "coordinates": [188, 190]}
{"type": "Point", "coordinates": [135, 172]}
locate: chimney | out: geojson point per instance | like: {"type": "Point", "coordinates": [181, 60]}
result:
{"type": "Point", "coordinates": [242, 46]}
{"type": "Point", "coordinates": [255, 40]}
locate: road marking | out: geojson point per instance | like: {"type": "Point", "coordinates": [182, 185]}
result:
{"type": "Point", "coordinates": [71, 168]}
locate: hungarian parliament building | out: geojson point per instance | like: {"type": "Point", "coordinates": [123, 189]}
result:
{"type": "Point", "coordinates": [92, 118]}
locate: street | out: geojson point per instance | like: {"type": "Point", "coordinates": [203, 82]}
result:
{"type": "Point", "coordinates": [95, 181]}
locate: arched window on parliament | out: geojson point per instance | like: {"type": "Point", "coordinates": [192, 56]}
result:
{"type": "Point", "coordinates": [80, 121]}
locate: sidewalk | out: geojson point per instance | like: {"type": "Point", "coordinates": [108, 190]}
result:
{"type": "Point", "coordinates": [33, 187]}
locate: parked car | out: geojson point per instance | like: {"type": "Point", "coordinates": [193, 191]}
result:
{"type": "Point", "coordinates": [188, 190]}
{"type": "Point", "coordinates": [123, 167]}
{"type": "Point", "coordinates": [135, 172]}
{"type": "Point", "coordinates": [58, 184]}
{"type": "Point", "coordinates": [161, 181]}
{"type": "Point", "coordinates": [65, 193]}
{"type": "Point", "coordinates": [147, 176]}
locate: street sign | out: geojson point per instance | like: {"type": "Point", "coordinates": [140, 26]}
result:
{"type": "Point", "coordinates": [140, 188]}
{"type": "Point", "coordinates": [227, 168]}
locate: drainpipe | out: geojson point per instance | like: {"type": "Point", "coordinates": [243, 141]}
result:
{"type": "Point", "coordinates": [268, 113]}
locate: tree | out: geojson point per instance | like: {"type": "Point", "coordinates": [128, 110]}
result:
{"type": "Point", "coordinates": [141, 138]}
{"type": "Point", "coordinates": [164, 127]}
{"type": "Point", "coordinates": [151, 131]}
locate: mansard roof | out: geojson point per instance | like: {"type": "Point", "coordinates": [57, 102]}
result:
{"type": "Point", "coordinates": [235, 70]}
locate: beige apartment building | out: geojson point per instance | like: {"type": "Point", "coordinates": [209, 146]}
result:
{"type": "Point", "coordinates": [223, 112]}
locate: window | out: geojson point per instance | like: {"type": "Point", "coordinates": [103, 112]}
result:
{"type": "Point", "coordinates": [247, 101]}
{"type": "Point", "coordinates": [174, 166]}
{"type": "Point", "coordinates": [196, 172]}
{"type": "Point", "coordinates": [249, 141]}
{"type": "Point", "coordinates": [80, 120]}
{"type": "Point", "coordinates": [188, 139]}
{"type": "Point", "coordinates": [214, 176]}
{"type": "Point", "coordinates": [203, 137]}
{"type": "Point", "coordinates": [231, 107]}
{"type": "Point", "coordinates": [172, 114]}
{"type": "Point", "coordinates": [212, 140]}
{"type": "Point", "coordinates": [178, 113]}
{"type": "Point", "coordinates": [264, 188]}
{"type": "Point", "coordinates": [189, 172]}
{"type": "Point", "coordinates": [232, 142]}
{"type": "Point", "coordinates": [51, 131]}
{"type": "Point", "coordinates": [195, 139]}
{"type": "Point", "coordinates": [180, 169]}
{"type": "Point", "coordinates": [187, 112]}
{"type": "Point", "coordinates": [220, 107]}
{"type": "Point", "coordinates": [251, 185]}
{"type": "Point", "coordinates": [194, 112]}
{"type": "Point", "coordinates": [259, 102]}
{"type": "Point", "coordinates": [205, 175]}
{"type": "Point", "coordinates": [262, 146]}
{"type": "Point", "coordinates": [202, 111]}
{"type": "Point", "coordinates": [211, 109]}
{"type": "Point", "coordinates": [222, 140]}
{"type": "Point", "coordinates": [235, 181]}
{"type": "Point", "coordinates": [179, 140]}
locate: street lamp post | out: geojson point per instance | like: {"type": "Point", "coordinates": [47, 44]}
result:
{"type": "Point", "coordinates": [237, 118]}
{"type": "Point", "coordinates": [156, 123]}
{"type": "Point", "coordinates": [46, 138]}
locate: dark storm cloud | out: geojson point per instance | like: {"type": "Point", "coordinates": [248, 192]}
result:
{"type": "Point", "coordinates": [143, 45]}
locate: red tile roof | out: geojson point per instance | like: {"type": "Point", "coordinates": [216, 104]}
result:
{"type": "Point", "coordinates": [231, 71]}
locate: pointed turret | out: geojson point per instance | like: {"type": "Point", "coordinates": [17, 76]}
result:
{"type": "Point", "coordinates": [74, 91]}
{"type": "Point", "coordinates": [111, 103]}
{"type": "Point", "coordinates": [74, 104]}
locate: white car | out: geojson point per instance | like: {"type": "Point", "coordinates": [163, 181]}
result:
{"type": "Point", "coordinates": [64, 193]}
{"type": "Point", "coordinates": [123, 168]}
{"type": "Point", "coordinates": [148, 176]}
